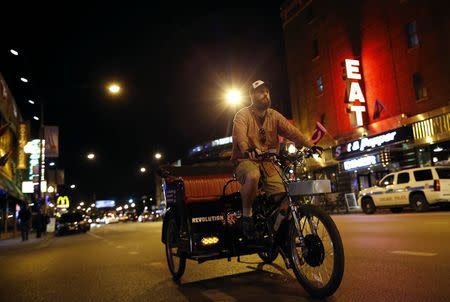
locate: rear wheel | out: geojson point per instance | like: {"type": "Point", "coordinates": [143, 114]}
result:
{"type": "Point", "coordinates": [317, 256]}
{"type": "Point", "coordinates": [175, 259]}
{"type": "Point", "coordinates": [419, 202]}
{"type": "Point", "coordinates": [368, 206]}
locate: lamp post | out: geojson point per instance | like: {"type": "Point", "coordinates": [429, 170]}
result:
{"type": "Point", "coordinates": [233, 97]}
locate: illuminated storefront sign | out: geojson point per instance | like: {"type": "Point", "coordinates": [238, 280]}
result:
{"type": "Point", "coordinates": [32, 148]}
{"type": "Point", "coordinates": [62, 202]}
{"type": "Point", "coordinates": [368, 143]}
{"type": "Point", "coordinates": [355, 95]}
{"type": "Point", "coordinates": [23, 139]}
{"type": "Point", "coordinates": [105, 204]}
{"type": "Point", "coordinates": [360, 162]}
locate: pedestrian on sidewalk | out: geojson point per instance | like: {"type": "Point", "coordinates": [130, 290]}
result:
{"type": "Point", "coordinates": [24, 221]}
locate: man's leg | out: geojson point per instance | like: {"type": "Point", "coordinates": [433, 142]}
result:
{"type": "Point", "coordinates": [247, 173]}
{"type": "Point", "coordinates": [274, 188]}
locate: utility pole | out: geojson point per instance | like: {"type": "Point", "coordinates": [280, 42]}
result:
{"type": "Point", "coordinates": [41, 166]}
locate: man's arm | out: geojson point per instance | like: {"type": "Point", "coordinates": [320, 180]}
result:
{"type": "Point", "coordinates": [290, 132]}
{"type": "Point", "coordinates": [240, 126]}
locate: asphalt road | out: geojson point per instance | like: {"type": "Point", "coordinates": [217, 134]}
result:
{"type": "Point", "coordinates": [389, 257]}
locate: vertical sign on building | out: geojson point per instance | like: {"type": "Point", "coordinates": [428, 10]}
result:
{"type": "Point", "coordinates": [23, 139]}
{"type": "Point", "coordinates": [355, 95]}
{"type": "Point", "coordinates": [51, 141]}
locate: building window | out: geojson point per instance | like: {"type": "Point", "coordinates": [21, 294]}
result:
{"type": "Point", "coordinates": [419, 89]}
{"type": "Point", "coordinates": [319, 83]}
{"type": "Point", "coordinates": [413, 38]}
{"type": "Point", "coordinates": [315, 48]}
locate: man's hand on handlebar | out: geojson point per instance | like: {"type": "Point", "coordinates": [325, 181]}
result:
{"type": "Point", "coordinates": [253, 153]}
{"type": "Point", "coordinates": [314, 150]}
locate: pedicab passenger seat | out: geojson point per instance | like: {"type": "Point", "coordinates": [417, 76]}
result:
{"type": "Point", "coordinates": [207, 188]}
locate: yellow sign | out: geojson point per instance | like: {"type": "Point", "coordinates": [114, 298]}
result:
{"type": "Point", "coordinates": [62, 202]}
{"type": "Point", "coordinates": [23, 139]}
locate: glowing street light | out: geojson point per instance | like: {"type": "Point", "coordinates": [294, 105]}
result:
{"type": "Point", "coordinates": [158, 155]}
{"type": "Point", "coordinates": [114, 88]}
{"type": "Point", "coordinates": [233, 97]}
{"type": "Point", "coordinates": [93, 205]}
{"type": "Point", "coordinates": [14, 52]}
{"type": "Point", "coordinates": [125, 206]}
{"type": "Point", "coordinates": [50, 189]}
{"type": "Point", "coordinates": [133, 205]}
{"type": "Point", "coordinates": [25, 80]}
{"type": "Point", "coordinates": [51, 164]}
{"type": "Point", "coordinates": [31, 102]}
{"type": "Point", "coordinates": [35, 118]}
{"type": "Point", "coordinates": [82, 203]}
{"type": "Point", "coordinates": [130, 200]}
{"type": "Point", "coordinates": [143, 170]}
{"type": "Point", "coordinates": [91, 156]}
{"type": "Point", "coordinates": [72, 186]}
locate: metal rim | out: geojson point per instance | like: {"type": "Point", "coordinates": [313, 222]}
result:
{"type": "Point", "coordinates": [316, 262]}
{"type": "Point", "coordinates": [172, 249]}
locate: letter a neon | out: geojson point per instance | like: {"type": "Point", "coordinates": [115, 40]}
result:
{"type": "Point", "coordinates": [356, 93]}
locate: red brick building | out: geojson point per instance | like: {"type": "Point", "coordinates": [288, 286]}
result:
{"type": "Point", "coordinates": [403, 51]}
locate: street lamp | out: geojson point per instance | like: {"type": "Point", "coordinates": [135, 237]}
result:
{"type": "Point", "coordinates": [72, 186]}
{"type": "Point", "coordinates": [114, 88]}
{"type": "Point", "coordinates": [234, 97]}
{"type": "Point", "coordinates": [14, 52]}
{"type": "Point", "coordinates": [91, 156]}
{"type": "Point", "coordinates": [143, 170]}
{"type": "Point", "coordinates": [158, 156]}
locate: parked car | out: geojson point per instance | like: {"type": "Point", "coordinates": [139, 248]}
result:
{"type": "Point", "coordinates": [417, 188]}
{"type": "Point", "coordinates": [71, 223]}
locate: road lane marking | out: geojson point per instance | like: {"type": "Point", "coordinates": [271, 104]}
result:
{"type": "Point", "coordinates": [412, 253]}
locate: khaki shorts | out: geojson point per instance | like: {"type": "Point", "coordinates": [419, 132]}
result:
{"type": "Point", "coordinates": [271, 180]}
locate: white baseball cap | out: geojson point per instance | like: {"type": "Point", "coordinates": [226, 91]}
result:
{"type": "Point", "coordinates": [258, 83]}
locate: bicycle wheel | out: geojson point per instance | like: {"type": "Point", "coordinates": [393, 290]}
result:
{"type": "Point", "coordinates": [318, 258]}
{"type": "Point", "coordinates": [175, 260]}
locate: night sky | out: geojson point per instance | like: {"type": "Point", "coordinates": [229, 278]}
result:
{"type": "Point", "coordinates": [174, 61]}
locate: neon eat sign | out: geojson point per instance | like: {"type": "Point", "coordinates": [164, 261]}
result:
{"type": "Point", "coordinates": [355, 95]}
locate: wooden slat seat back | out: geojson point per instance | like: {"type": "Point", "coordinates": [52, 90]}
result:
{"type": "Point", "coordinates": [207, 188]}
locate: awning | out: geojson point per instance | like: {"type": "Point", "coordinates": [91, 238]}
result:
{"type": "Point", "coordinates": [10, 188]}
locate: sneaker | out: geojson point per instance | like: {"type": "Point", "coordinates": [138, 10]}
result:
{"type": "Point", "coordinates": [247, 226]}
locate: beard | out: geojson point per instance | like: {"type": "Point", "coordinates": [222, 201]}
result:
{"type": "Point", "coordinates": [262, 104]}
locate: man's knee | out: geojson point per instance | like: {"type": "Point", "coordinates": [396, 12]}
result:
{"type": "Point", "coordinates": [252, 177]}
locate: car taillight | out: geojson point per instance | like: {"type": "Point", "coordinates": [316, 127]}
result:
{"type": "Point", "coordinates": [437, 185]}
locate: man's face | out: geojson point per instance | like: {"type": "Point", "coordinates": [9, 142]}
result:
{"type": "Point", "coordinates": [261, 98]}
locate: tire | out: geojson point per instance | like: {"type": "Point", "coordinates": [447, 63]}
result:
{"type": "Point", "coordinates": [269, 256]}
{"type": "Point", "coordinates": [396, 210]}
{"type": "Point", "coordinates": [368, 206]}
{"type": "Point", "coordinates": [172, 239]}
{"type": "Point", "coordinates": [419, 203]}
{"type": "Point", "coordinates": [316, 253]}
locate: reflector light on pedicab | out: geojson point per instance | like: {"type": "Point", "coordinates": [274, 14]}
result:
{"type": "Point", "coordinates": [210, 240]}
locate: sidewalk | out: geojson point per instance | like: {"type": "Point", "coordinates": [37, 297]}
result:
{"type": "Point", "coordinates": [17, 241]}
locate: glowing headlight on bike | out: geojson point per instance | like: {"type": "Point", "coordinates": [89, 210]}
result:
{"type": "Point", "coordinates": [210, 240]}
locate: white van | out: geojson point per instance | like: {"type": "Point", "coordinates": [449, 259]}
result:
{"type": "Point", "coordinates": [417, 188]}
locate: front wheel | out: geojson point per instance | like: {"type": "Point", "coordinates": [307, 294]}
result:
{"type": "Point", "coordinates": [317, 255]}
{"type": "Point", "coordinates": [175, 259]}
